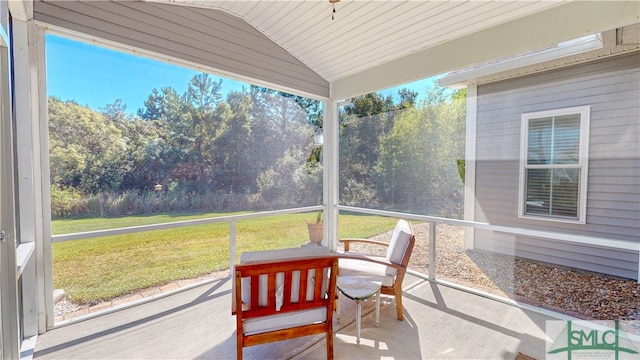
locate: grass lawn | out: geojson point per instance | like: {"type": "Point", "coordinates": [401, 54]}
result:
{"type": "Point", "coordinates": [106, 267]}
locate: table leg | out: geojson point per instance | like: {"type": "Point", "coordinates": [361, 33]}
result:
{"type": "Point", "coordinates": [358, 321]}
{"type": "Point", "coordinates": [378, 308]}
{"type": "Point", "coordinates": [338, 307]}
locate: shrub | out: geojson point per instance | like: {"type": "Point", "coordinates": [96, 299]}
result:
{"type": "Point", "coordinates": [64, 201]}
{"type": "Point", "coordinates": [69, 203]}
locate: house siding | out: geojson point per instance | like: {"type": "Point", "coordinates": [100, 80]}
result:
{"type": "Point", "coordinates": [207, 37]}
{"type": "Point", "coordinates": [611, 87]}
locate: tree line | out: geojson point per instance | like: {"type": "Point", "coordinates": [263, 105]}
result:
{"type": "Point", "coordinates": [251, 150]}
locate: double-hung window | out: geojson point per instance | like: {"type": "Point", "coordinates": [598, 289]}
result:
{"type": "Point", "coordinates": [553, 164]}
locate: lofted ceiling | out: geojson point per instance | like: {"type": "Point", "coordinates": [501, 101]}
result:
{"type": "Point", "coordinates": [365, 34]}
{"type": "Point", "coordinates": [296, 46]}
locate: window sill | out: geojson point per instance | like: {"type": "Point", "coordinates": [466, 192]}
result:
{"type": "Point", "coordinates": [553, 219]}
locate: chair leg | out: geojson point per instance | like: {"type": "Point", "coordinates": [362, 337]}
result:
{"type": "Point", "coordinates": [399, 304]}
{"type": "Point", "coordinates": [239, 347]}
{"type": "Point", "coordinates": [329, 345]}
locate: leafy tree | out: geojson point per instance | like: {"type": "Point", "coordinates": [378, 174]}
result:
{"type": "Point", "coordinates": [279, 123]}
{"type": "Point", "coordinates": [232, 144]}
{"type": "Point", "coordinates": [203, 96]}
{"type": "Point", "coordinates": [178, 147]}
{"type": "Point", "coordinates": [204, 93]}
{"type": "Point", "coordinates": [403, 158]}
{"type": "Point", "coordinates": [291, 182]}
{"type": "Point", "coordinates": [407, 98]}
{"type": "Point", "coordinates": [283, 127]}
{"type": "Point", "coordinates": [203, 117]}
{"type": "Point", "coordinates": [154, 107]}
{"type": "Point", "coordinates": [362, 124]}
{"type": "Point", "coordinates": [417, 169]}
{"type": "Point", "coordinates": [312, 108]}
{"type": "Point", "coordinates": [116, 112]}
{"type": "Point", "coordinates": [86, 150]}
{"type": "Point", "coordinates": [148, 159]}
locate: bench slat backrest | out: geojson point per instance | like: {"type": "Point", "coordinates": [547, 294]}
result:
{"type": "Point", "coordinates": [290, 276]}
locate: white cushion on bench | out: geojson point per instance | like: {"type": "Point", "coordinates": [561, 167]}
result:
{"type": "Point", "coordinates": [353, 267]}
{"type": "Point", "coordinates": [400, 239]}
{"type": "Point", "coordinates": [284, 321]}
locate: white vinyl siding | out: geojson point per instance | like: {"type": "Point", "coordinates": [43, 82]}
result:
{"type": "Point", "coordinates": [553, 164]}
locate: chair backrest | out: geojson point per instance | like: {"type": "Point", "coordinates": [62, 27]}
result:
{"type": "Point", "coordinates": [279, 255]}
{"type": "Point", "coordinates": [285, 282]}
{"type": "Point", "coordinates": [400, 246]}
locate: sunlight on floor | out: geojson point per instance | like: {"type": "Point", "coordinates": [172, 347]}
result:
{"type": "Point", "coordinates": [448, 351]}
{"type": "Point", "coordinates": [375, 344]}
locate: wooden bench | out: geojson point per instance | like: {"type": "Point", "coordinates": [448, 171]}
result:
{"type": "Point", "coordinates": [272, 306]}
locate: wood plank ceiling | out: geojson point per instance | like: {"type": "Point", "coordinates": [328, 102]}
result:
{"type": "Point", "coordinates": [365, 34]}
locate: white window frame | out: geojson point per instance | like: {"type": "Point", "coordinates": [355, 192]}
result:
{"type": "Point", "coordinates": [583, 160]}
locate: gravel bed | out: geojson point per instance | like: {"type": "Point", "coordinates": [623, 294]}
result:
{"type": "Point", "coordinates": [577, 293]}
{"type": "Point", "coordinates": [64, 306]}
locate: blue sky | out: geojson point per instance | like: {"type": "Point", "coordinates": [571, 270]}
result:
{"type": "Point", "coordinates": [95, 76]}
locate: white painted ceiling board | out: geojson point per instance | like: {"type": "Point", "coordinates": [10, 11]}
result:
{"type": "Point", "coordinates": [107, 10]}
{"type": "Point", "coordinates": [366, 33]}
{"type": "Point", "coordinates": [204, 24]}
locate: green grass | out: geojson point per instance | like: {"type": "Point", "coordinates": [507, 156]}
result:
{"type": "Point", "coordinates": [107, 267]}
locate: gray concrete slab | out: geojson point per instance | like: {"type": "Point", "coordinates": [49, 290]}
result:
{"type": "Point", "coordinates": [444, 323]}
{"type": "Point", "coordinates": [197, 324]}
{"type": "Point", "coordinates": [194, 324]}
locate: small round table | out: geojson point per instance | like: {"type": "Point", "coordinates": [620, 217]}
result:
{"type": "Point", "coordinates": [360, 288]}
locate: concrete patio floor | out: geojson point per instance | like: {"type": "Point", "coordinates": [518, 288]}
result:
{"type": "Point", "coordinates": [440, 323]}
